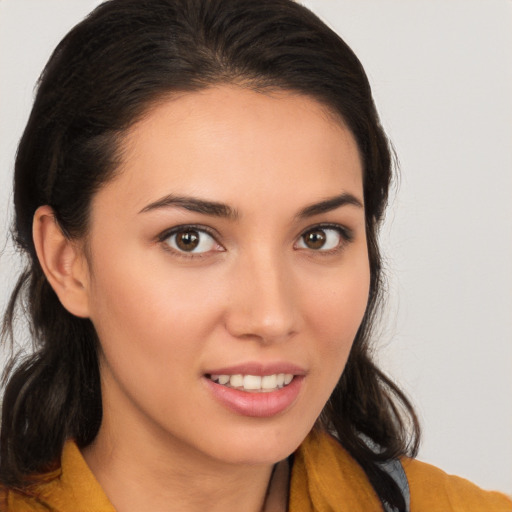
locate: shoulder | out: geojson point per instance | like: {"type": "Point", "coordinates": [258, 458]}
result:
{"type": "Point", "coordinates": [327, 469]}
{"type": "Point", "coordinates": [432, 489]}
{"type": "Point", "coordinates": [72, 486]}
{"type": "Point", "coordinates": [14, 501]}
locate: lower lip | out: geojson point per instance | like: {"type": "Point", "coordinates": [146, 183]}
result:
{"type": "Point", "coordinates": [254, 404]}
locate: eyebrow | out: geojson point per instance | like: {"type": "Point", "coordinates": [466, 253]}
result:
{"type": "Point", "coordinates": [216, 209]}
{"type": "Point", "coordinates": [193, 204]}
{"type": "Point", "coordinates": [329, 204]}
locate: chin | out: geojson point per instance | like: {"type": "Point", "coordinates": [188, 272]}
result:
{"type": "Point", "coordinates": [258, 444]}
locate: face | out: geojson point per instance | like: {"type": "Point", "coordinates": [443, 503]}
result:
{"type": "Point", "coordinates": [228, 273]}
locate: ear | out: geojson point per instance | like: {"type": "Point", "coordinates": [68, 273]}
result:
{"type": "Point", "coordinates": [62, 261]}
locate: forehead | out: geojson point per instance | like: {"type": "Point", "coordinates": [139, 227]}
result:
{"type": "Point", "coordinates": [238, 146]}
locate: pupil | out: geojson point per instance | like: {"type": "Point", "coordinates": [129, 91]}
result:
{"type": "Point", "coordinates": [315, 239]}
{"type": "Point", "coordinates": [187, 240]}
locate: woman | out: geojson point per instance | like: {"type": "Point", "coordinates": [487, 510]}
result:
{"type": "Point", "coordinates": [198, 190]}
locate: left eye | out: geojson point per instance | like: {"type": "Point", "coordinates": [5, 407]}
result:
{"type": "Point", "coordinates": [320, 239]}
{"type": "Point", "coordinates": [191, 240]}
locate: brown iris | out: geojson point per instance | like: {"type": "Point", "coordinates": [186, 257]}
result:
{"type": "Point", "coordinates": [314, 239]}
{"type": "Point", "coordinates": [187, 240]}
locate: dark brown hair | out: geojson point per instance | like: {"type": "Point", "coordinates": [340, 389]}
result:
{"type": "Point", "coordinates": [101, 79]}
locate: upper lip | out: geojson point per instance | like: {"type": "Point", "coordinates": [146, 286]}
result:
{"type": "Point", "coordinates": [258, 368]}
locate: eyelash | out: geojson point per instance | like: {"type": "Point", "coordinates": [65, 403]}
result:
{"type": "Point", "coordinates": [164, 237]}
{"type": "Point", "coordinates": [346, 236]}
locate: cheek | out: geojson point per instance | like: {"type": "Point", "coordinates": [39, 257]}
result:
{"type": "Point", "coordinates": [332, 313]}
{"type": "Point", "coordinates": [153, 326]}
{"type": "Point", "coordinates": [141, 309]}
{"type": "Point", "coordinates": [335, 312]}
{"type": "Point", "coordinates": [338, 300]}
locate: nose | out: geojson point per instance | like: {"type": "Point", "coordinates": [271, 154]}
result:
{"type": "Point", "coordinates": [262, 303]}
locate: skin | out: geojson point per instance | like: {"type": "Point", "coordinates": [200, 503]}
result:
{"type": "Point", "coordinates": [257, 292]}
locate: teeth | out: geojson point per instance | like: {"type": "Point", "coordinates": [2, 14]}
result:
{"type": "Point", "coordinates": [236, 381]}
{"type": "Point", "coordinates": [254, 382]}
{"type": "Point", "coordinates": [223, 379]}
{"type": "Point", "coordinates": [269, 382]}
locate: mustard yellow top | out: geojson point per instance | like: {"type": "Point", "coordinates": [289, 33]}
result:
{"type": "Point", "coordinates": [324, 478]}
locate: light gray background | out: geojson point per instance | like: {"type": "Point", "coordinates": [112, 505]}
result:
{"type": "Point", "coordinates": [442, 78]}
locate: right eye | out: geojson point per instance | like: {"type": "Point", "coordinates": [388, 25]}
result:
{"type": "Point", "coordinates": [190, 240]}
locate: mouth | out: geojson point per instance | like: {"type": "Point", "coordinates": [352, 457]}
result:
{"type": "Point", "coordinates": [253, 383]}
{"type": "Point", "coordinates": [254, 391]}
